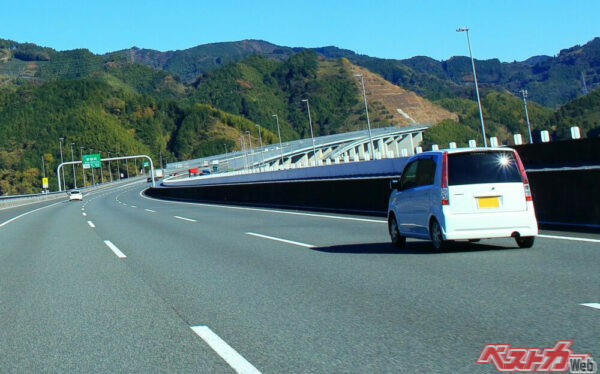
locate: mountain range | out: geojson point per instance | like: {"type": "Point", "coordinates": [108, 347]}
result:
{"type": "Point", "coordinates": [550, 80]}
{"type": "Point", "coordinates": [200, 101]}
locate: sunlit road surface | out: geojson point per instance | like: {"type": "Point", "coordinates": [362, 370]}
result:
{"type": "Point", "coordinates": [124, 283]}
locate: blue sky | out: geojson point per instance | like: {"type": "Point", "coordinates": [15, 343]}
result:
{"type": "Point", "coordinates": [506, 29]}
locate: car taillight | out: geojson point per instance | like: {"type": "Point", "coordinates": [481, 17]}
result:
{"type": "Point", "coordinates": [445, 196]}
{"type": "Point", "coordinates": [526, 187]}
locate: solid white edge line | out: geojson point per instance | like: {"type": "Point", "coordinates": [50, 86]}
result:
{"type": "Point", "coordinates": [269, 210]}
{"type": "Point", "coordinates": [227, 353]}
{"type": "Point", "coordinates": [570, 238]}
{"type": "Point", "coordinates": [150, 210]}
{"type": "Point", "coordinates": [592, 305]}
{"type": "Point", "coordinates": [185, 219]}
{"type": "Point", "coordinates": [114, 249]}
{"type": "Point", "coordinates": [26, 213]}
{"type": "Point", "coordinates": [91, 224]}
{"type": "Point", "coordinates": [281, 240]}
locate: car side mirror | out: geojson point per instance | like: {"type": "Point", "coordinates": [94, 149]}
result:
{"type": "Point", "coordinates": [394, 184]}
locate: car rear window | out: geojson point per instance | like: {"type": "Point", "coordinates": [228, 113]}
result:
{"type": "Point", "coordinates": [482, 167]}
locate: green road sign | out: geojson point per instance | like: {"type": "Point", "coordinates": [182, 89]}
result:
{"type": "Point", "coordinates": [146, 163]}
{"type": "Point", "coordinates": [91, 161]}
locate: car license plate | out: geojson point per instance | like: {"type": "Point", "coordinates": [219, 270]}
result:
{"type": "Point", "coordinates": [488, 202]}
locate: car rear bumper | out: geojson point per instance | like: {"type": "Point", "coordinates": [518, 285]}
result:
{"type": "Point", "coordinates": [489, 225]}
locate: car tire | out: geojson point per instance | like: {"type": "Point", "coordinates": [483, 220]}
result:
{"type": "Point", "coordinates": [437, 239]}
{"type": "Point", "coordinates": [525, 241]}
{"type": "Point", "coordinates": [397, 239]}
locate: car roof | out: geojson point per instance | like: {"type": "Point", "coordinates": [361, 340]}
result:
{"type": "Point", "coordinates": [464, 150]}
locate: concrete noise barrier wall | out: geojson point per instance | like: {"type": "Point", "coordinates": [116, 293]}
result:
{"type": "Point", "coordinates": [362, 196]}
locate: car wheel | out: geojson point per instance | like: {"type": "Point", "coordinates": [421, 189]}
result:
{"type": "Point", "coordinates": [435, 231]}
{"type": "Point", "coordinates": [397, 239]}
{"type": "Point", "coordinates": [525, 241]}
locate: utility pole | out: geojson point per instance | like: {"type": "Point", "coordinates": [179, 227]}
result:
{"type": "Point", "coordinates": [72, 160]}
{"type": "Point", "coordinates": [524, 93]}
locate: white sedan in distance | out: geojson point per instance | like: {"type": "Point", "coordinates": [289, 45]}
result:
{"type": "Point", "coordinates": [75, 195]}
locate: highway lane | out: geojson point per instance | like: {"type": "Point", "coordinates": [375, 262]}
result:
{"type": "Point", "coordinates": [353, 303]}
{"type": "Point", "coordinates": [68, 305]}
{"type": "Point", "coordinates": [350, 304]}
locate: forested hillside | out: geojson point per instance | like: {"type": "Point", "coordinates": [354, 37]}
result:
{"type": "Point", "coordinates": [197, 102]}
{"type": "Point", "coordinates": [95, 115]}
{"type": "Point", "coordinates": [583, 112]}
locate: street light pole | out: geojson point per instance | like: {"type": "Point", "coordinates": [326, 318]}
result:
{"type": "Point", "coordinates": [250, 155]}
{"type": "Point", "coordinates": [73, 159]}
{"type": "Point", "coordinates": [101, 173]}
{"type": "Point", "coordinates": [82, 169]}
{"type": "Point", "coordinates": [262, 151]}
{"type": "Point", "coordinates": [279, 133]}
{"type": "Point", "coordinates": [161, 167]}
{"type": "Point", "coordinates": [362, 81]}
{"type": "Point", "coordinates": [109, 168]}
{"type": "Point", "coordinates": [118, 168]}
{"type": "Point", "coordinates": [244, 154]}
{"type": "Point", "coordinates": [93, 176]}
{"type": "Point", "coordinates": [311, 129]}
{"type": "Point", "coordinates": [524, 93]}
{"type": "Point", "coordinates": [466, 30]}
{"type": "Point", "coordinates": [60, 140]}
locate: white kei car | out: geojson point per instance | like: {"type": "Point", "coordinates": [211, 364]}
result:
{"type": "Point", "coordinates": [462, 194]}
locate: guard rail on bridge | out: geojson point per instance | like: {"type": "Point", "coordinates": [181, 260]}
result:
{"type": "Point", "coordinates": [564, 195]}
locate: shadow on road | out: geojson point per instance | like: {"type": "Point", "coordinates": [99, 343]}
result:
{"type": "Point", "coordinates": [416, 248]}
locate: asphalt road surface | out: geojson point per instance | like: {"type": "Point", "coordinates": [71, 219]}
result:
{"type": "Point", "coordinates": [124, 283]}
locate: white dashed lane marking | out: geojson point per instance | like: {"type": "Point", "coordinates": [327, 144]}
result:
{"type": "Point", "coordinates": [281, 240]}
{"type": "Point", "coordinates": [185, 219]}
{"type": "Point", "coordinates": [230, 355]}
{"type": "Point", "coordinates": [114, 249]}
{"type": "Point", "coordinates": [592, 305]}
